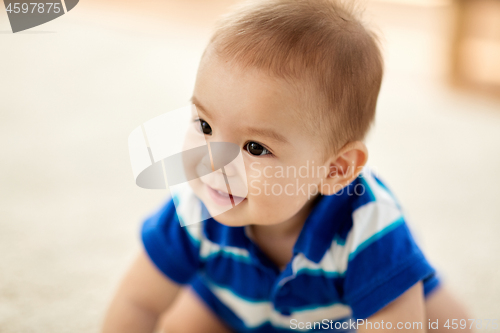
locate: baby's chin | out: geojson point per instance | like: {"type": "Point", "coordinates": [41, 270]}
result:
{"type": "Point", "coordinates": [234, 217]}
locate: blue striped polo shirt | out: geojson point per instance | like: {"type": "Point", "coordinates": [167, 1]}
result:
{"type": "Point", "coordinates": [354, 255]}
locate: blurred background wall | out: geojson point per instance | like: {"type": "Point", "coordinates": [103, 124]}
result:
{"type": "Point", "coordinates": [72, 90]}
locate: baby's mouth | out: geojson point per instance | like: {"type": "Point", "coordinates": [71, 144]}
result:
{"type": "Point", "coordinates": [221, 197]}
{"type": "Point", "coordinates": [223, 194]}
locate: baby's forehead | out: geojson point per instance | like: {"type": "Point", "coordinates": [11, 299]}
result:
{"type": "Point", "coordinates": [322, 48]}
{"type": "Point", "coordinates": [258, 93]}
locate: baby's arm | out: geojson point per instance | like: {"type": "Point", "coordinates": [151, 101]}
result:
{"type": "Point", "coordinates": [409, 307]}
{"type": "Point", "coordinates": [141, 298]}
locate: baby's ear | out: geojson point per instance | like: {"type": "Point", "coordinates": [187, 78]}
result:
{"type": "Point", "coordinates": [344, 167]}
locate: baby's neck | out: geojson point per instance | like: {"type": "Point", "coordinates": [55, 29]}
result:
{"type": "Point", "coordinates": [277, 240]}
{"type": "Point", "coordinates": [285, 229]}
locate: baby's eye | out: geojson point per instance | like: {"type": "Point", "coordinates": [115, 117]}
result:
{"type": "Point", "coordinates": [256, 149]}
{"type": "Point", "coordinates": [205, 127]}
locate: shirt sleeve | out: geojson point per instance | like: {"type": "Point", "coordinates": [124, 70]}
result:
{"type": "Point", "coordinates": [383, 267]}
{"type": "Point", "coordinates": [169, 245]}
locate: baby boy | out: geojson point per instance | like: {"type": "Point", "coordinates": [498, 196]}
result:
{"type": "Point", "coordinates": [316, 242]}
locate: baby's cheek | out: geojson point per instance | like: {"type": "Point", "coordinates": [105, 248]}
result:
{"type": "Point", "coordinates": [282, 191]}
{"type": "Point", "coordinates": [274, 200]}
{"type": "Point", "coordinates": [255, 187]}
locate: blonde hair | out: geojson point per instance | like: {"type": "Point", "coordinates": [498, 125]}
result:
{"type": "Point", "coordinates": [322, 43]}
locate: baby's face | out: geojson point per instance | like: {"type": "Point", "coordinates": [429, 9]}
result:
{"type": "Point", "coordinates": [283, 158]}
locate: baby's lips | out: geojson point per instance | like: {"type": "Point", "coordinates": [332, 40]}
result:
{"type": "Point", "coordinates": [216, 181]}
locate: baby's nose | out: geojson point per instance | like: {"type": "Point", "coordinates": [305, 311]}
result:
{"type": "Point", "coordinates": [223, 155]}
{"type": "Point", "coordinates": [205, 165]}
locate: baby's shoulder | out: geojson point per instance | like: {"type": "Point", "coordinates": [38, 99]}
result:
{"type": "Point", "coordinates": [353, 219]}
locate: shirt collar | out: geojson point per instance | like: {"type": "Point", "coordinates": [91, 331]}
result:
{"type": "Point", "coordinates": [327, 216]}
